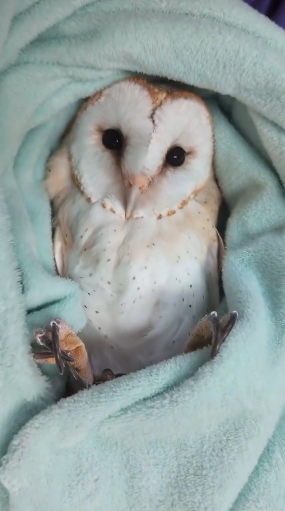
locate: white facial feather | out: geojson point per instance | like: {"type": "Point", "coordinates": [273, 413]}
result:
{"type": "Point", "coordinates": [126, 107]}
{"type": "Point", "coordinates": [184, 123]}
{"type": "Point", "coordinates": [148, 135]}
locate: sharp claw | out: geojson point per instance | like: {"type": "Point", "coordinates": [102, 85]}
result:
{"type": "Point", "coordinates": [38, 334]}
{"type": "Point", "coordinates": [216, 344]}
{"type": "Point", "coordinates": [42, 339]}
{"type": "Point", "coordinates": [213, 318]}
{"type": "Point", "coordinates": [227, 328]}
{"type": "Point", "coordinates": [56, 347]}
{"type": "Point", "coordinates": [56, 321]}
{"type": "Point", "coordinates": [66, 356]}
{"type": "Point", "coordinates": [222, 332]}
{"type": "Point", "coordinates": [78, 378]}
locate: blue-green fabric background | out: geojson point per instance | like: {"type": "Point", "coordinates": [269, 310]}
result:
{"type": "Point", "coordinates": [187, 434]}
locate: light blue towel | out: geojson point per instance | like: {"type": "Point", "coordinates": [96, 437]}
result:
{"type": "Point", "coordinates": [188, 434]}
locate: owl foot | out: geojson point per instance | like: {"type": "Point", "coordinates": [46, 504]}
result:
{"type": "Point", "coordinates": [210, 331]}
{"type": "Point", "coordinates": [66, 350]}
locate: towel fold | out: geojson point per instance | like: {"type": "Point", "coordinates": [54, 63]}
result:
{"type": "Point", "coordinates": [190, 433]}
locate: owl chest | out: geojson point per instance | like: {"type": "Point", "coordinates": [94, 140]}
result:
{"type": "Point", "coordinates": [142, 299]}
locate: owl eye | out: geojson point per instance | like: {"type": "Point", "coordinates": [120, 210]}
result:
{"type": "Point", "coordinates": [175, 156]}
{"type": "Point", "coordinates": [112, 139]}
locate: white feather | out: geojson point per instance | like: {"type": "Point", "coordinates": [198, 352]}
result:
{"type": "Point", "coordinates": [145, 282]}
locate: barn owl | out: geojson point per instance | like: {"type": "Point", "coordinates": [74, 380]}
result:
{"type": "Point", "coordinates": [135, 206]}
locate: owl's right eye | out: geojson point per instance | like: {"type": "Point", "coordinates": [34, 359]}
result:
{"type": "Point", "coordinates": [112, 139]}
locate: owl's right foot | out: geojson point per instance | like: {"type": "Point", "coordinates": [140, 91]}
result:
{"type": "Point", "coordinates": [64, 348]}
{"type": "Point", "coordinates": [210, 331]}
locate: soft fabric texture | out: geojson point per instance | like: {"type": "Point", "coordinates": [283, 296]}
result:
{"type": "Point", "coordinates": [188, 434]}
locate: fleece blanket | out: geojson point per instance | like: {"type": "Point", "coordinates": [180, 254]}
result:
{"type": "Point", "coordinates": [190, 433]}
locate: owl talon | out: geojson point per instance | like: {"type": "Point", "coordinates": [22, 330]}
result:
{"type": "Point", "coordinates": [66, 350]}
{"type": "Point", "coordinates": [55, 346]}
{"type": "Point", "coordinates": [221, 330]}
{"type": "Point", "coordinates": [211, 331]}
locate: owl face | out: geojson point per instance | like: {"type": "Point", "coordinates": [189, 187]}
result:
{"type": "Point", "coordinates": [140, 150]}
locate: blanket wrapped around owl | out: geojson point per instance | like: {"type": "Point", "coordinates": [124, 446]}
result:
{"type": "Point", "coordinates": [189, 433]}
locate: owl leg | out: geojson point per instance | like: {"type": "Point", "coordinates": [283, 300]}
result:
{"type": "Point", "coordinates": [210, 331]}
{"type": "Point", "coordinates": [64, 348]}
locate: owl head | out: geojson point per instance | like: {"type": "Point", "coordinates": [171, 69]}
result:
{"type": "Point", "coordinates": [141, 150]}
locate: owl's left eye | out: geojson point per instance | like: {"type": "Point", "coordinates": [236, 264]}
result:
{"type": "Point", "coordinates": [176, 156]}
{"type": "Point", "coordinates": [112, 139]}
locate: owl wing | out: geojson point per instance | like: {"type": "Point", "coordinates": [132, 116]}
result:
{"type": "Point", "coordinates": [59, 180]}
{"type": "Point", "coordinates": [59, 185]}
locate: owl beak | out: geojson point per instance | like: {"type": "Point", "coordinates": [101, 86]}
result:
{"type": "Point", "coordinates": [138, 185]}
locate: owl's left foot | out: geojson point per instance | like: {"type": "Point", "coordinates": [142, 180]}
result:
{"type": "Point", "coordinates": [210, 331]}
{"type": "Point", "coordinates": [64, 348]}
